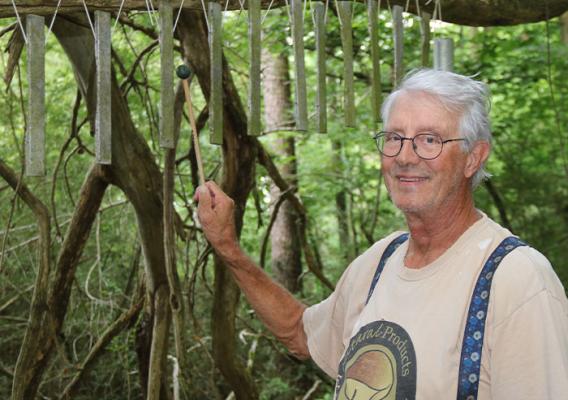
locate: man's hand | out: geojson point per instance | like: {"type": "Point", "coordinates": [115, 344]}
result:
{"type": "Point", "coordinates": [215, 212]}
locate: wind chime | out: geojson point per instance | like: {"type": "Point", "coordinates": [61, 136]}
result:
{"type": "Point", "coordinates": [102, 32]}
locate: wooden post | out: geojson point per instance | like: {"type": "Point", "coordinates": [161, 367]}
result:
{"type": "Point", "coordinates": [167, 95]}
{"type": "Point", "coordinates": [103, 125]}
{"type": "Point", "coordinates": [444, 54]}
{"type": "Point", "coordinates": [254, 128]}
{"type": "Point", "coordinates": [376, 87]}
{"type": "Point", "coordinates": [300, 96]}
{"type": "Point", "coordinates": [425, 38]}
{"type": "Point", "coordinates": [321, 92]}
{"type": "Point", "coordinates": [216, 54]}
{"type": "Point", "coordinates": [398, 35]}
{"type": "Point", "coordinates": [35, 134]}
{"type": "Point", "coordinates": [344, 12]}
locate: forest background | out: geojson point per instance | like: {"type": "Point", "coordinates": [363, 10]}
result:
{"type": "Point", "coordinates": [330, 201]}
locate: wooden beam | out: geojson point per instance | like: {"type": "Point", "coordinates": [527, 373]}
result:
{"type": "Point", "coordinates": [463, 12]}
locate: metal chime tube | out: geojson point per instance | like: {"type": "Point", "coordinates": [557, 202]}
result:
{"type": "Point", "coordinates": [398, 35]}
{"type": "Point", "coordinates": [376, 88]}
{"type": "Point", "coordinates": [103, 125]}
{"type": "Point", "coordinates": [321, 92]}
{"type": "Point", "coordinates": [425, 38]}
{"type": "Point", "coordinates": [167, 96]}
{"type": "Point", "coordinates": [344, 11]}
{"type": "Point", "coordinates": [444, 54]}
{"type": "Point", "coordinates": [35, 134]}
{"type": "Point", "coordinates": [254, 128]}
{"type": "Point", "coordinates": [300, 98]}
{"type": "Point", "coordinates": [216, 60]}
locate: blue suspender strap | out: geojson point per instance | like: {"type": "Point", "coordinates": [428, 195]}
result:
{"type": "Point", "coordinates": [384, 258]}
{"type": "Point", "coordinates": [470, 361]}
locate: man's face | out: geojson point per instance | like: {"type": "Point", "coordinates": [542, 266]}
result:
{"type": "Point", "coordinates": [426, 187]}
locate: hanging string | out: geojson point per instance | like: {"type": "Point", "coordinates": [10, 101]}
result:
{"type": "Point", "coordinates": [338, 14]}
{"type": "Point", "coordinates": [440, 10]}
{"type": "Point", "coordinates": [312, 13]}
{"type": "Point", "coordinates": [20, 22]}
{"type": "Point", "coordinates": [179, 13]}
{"type": "Point", "coordinates": [266, 13]}
{"type": "Point", "coordinates": [226, 6]}
{"type": "Point", "coordinates": [407, 5]}
{"type": "Point", "coordinates": [305, 6]}
{"type": "Point", "coordinates": [151, 10]}
{"type": "Point", "coordinates": [325, 11]}
{"type": "Point", "coordinates": [205, 13]}
{"type": "Point", "coordinates": [52, 20]}
{"type": "Point", "coordinates": [418, 8]}
{"type": "Point", "coordinates": [242, 7]}
{"type": "Point", "coordinates": [89, 19]}
{"type": "Point", "coordinates": [288, 9]}
{"type": "Point", "coordinates": [118, 15]}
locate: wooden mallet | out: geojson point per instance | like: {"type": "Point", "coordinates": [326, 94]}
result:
{"type": "Point", "coordinates": [184, 73]}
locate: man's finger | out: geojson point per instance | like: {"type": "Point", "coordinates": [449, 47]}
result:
{"type": "Point", "coordinates": [203, 197]}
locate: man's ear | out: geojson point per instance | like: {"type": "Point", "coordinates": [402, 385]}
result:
{"type": "Point", "coordinates": [476, 157]}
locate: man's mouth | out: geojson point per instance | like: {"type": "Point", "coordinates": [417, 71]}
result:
{"type": "Point", "coordinates": [411, 179]}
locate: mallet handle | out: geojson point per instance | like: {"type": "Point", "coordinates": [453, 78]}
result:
{"type": "Point", "coordinates": [194, 131]}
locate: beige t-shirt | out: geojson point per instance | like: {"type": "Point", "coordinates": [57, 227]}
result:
{"type": "Point", "coordinates": [409, 336]}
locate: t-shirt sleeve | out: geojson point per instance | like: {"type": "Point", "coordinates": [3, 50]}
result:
{"type": "Point", "coordinates": [529, 343]}
{"type": "Point", "coordinates": [329, 324]}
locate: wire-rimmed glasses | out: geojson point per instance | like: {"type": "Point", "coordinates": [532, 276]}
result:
{"type": "Point", "coordinates": [426, 145]}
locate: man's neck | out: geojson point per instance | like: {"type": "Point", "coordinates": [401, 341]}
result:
{"type": "Point", "coordinates": [432, 235]}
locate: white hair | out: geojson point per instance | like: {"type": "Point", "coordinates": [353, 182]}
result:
{"type": "Point", "coordinates": [460, 94]}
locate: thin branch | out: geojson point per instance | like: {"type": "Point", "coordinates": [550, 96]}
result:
{"type": "Point", "coordinates": [273, 217]}
{"type": "Point", "coordinates": [266, 161]}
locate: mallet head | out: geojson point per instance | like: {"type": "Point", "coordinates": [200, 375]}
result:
{"type": "Point", "coordinates": [183, 71]}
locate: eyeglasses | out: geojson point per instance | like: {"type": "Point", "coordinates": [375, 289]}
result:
{"type": "Point", "coordinates": [427, 146]}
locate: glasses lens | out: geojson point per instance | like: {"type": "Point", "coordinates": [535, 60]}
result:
{"type": "Point", "coordinates": [428, 145]}
{"type": "Point", "coordinates": [389, 143]}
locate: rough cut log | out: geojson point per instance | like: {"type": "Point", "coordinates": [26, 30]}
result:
{"type": "Point", "coordinates": [463, 12]}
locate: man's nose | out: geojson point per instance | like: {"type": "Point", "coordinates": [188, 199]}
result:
{"type": "Point", "coordinates": [407, 154]}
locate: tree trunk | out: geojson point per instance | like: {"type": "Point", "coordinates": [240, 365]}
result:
{"type": "Point", "coordinates": [285, 245]}
{"type": "Point", "coordinates": [564, 28]}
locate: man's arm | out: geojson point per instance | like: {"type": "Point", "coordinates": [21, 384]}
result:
{"type": "Point", "coordinates": [274, 305]}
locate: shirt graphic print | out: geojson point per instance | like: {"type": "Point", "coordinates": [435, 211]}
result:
{"type": "Point", "coordinates": [379, 364]}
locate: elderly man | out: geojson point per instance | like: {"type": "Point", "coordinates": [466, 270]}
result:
{"type": "Point", "coordinates": [456, 307]}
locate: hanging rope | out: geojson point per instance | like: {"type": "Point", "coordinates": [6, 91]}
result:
{"type": "Point", "coordinates": [266, 13]}
{"type": "Point", "coordinates": [205, 14]}
{"type": "Point", "coordinates": [20, 22]}
{"type": "Point", "coordinates": [118, 15]}
{"type": "Point", "coordinates": [89, 19]}
{"type": "Point", "coordinates": [179, 13]}
{"type": "Point", "coordinates": [150, 9]}
{"type": "Point", "coordinates": [52, 20]}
